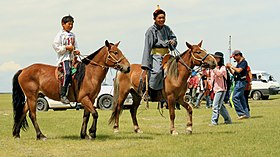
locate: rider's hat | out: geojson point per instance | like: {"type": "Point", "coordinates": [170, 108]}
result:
{"type": "Point", "coordinates": [158, 11]}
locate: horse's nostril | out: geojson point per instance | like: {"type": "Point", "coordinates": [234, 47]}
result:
{"type": "Point", "coordinates": [128, 69]}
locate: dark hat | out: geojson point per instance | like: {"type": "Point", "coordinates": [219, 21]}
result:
{"type": "Point", "coordinates": [235, 52]}
{"type": "Point", "coordinates": [158, 11]}
{"type": "Point", "coordinates": [219, 55]}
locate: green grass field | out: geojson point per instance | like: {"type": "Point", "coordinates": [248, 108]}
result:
{"type": "Point", "coordinates": [257, 136]}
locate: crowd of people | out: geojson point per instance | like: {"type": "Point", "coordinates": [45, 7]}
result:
{"type": "Point", "coordinates": [219, 84]}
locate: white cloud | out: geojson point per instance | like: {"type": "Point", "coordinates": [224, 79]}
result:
{"type": "Point", "coordinates": [9, 66]}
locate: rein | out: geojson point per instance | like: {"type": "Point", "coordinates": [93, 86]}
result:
{"type": "Point", "coordinates": [177, 53]}
{"type": "Point", "coordinates": [108, 58]}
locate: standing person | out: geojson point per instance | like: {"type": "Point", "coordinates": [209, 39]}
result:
{"type": "Point", "coordinates": [248, 87]}
{"type": "Point", "coordinates": [159, 38]}
{"type": "Point", "coordinates": [65, 44]}
{"type": "Point", "coordinates": [193, 82]}
{"type": "Point", "coordinates": [239, 73]}
{"type": "Point", "coordinates": [218, 77]}
{"type": "Point", "coordinates": [203, 87]}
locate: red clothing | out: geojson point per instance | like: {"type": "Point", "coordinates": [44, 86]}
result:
{"type": "Point", "coordinates": [248, 85]}
{"type": "Point", "coordinates": [193, 82]}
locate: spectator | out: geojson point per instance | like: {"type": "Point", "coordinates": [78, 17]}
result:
{"type": "Point", "coordinates": [192, 85]}
{"type": "Point", "coordinates": [248, 87]}
{"type": "Point", "coordinates": [218, 77]}
{"type": "Point", "coordinates": [239, 72]}
{"type": "Point", "coordinates": [203, 88]}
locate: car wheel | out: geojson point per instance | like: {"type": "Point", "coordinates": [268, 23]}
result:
{"type": "Point", "coordinates": [265, 97]}
{"type": "Point", "coordinates": [42, 104]}
{"type": "Point", "coordinates": [188, 99]}
{"type": "Point", "coordinates": [257, 95]}
{"type": "Point", "coordinates": [105, 102]}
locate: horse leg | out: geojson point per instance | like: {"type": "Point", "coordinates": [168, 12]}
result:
{"type": "Point", "coordinates": [91, 109]}
{"type": "Point", "coordinates": [31, 101]}
{"type": "Point", "coordinates": [171, 107]}
{"type": "Point", "coordinates": [83, 133]}
{"type": "Point", "coordinates": [189, 110]}
{"type": "Point", "coordinates": [117, 116]}
{"type": "Point", "coordinates": [93, 128]}
{"type": "Point", "coordinates": [133, 112]}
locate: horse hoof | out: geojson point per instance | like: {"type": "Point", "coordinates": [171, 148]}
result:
{"type": "Point", "coordinates": [138, 131]}
{"type": "Point", "coordinates": [189, 130]}
{"type": "Point", "coordinates": [174, 132]}
{"type": "Point", "coordinates": [42, 137]}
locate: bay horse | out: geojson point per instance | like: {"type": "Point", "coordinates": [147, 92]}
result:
{"type": "Point", "coordinates": [178, 70]}
{"type": "Point", "coordinates": [41, 78]}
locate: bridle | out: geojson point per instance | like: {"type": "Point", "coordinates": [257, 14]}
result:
{"type": "Point", "coordinates": [177, 53]}
{"type": "Point", "coordinates": [114, 60]}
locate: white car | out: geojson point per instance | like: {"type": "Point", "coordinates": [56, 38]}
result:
{"type": "Point", "coordinates": [104, 101]}
{"type": "Point", "coordinates": [263, 85]}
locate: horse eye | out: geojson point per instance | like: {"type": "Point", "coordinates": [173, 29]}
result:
{"type": "Point", "coordinates": [198, 52]}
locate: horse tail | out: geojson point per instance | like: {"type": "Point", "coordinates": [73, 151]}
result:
{"type": "Point", "coordinates": [115, 100]}
{"type": "Point", "coordinates": [18, 104]}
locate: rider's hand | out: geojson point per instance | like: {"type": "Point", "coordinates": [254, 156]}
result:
{"type": "Point", "coordinates": [76, 52]}
{"type": "Point", "coordinates": [172, 42]}
{"type": "Point", "coordinates": [69, 48]}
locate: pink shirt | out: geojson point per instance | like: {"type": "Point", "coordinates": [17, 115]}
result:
{"type": "Point", "coordinates": [218, 76]}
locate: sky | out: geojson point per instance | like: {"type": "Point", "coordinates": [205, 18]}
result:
{"type": "Point", "coordinates": [28, 28]}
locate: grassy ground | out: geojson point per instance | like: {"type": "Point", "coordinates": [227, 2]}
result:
{"type": "Point", "coordinates": [257, 136]}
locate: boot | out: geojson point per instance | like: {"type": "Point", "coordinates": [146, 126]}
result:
{"type": "Point", "coordinates": [63, 97]}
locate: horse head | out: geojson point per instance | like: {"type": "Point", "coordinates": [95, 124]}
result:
{"type": "Point", "coordinates": [201, 57]}
{"type": "Point", "coordinates": [115, 58]}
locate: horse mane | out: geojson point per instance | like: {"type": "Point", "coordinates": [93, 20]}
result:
{"type": "Point", "coordinates": [91, 56]}
{"type": "Point", "coordinates": [80, 74]}
{"type": "Point", "coordinates": [172, 68]}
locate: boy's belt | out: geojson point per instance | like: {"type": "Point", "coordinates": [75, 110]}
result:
{"type": "Point", "coordinates": [160, 51]}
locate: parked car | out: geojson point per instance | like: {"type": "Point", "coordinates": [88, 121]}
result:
{"type": "Point", "coordinates": [104, 101]}
{"type": "Point", "coordinates": [263, 85]}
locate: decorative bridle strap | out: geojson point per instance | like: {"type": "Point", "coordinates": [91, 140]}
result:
{"type": "Point", "coordinates": [177, 53]}
{"type": "Point", "coordinates": [202, 59]}
{"type": "Point", "coordinates": [113, 59]}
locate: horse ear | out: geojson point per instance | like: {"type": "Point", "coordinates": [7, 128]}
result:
{"type": "Point", "coordinates": [107, 44]}
{"type": "Point", "coordinates": [117, 44]}
{"type": "Point", "coordinates": [200, 44]}
{"type": "Point", "coordinates": [188, 45]}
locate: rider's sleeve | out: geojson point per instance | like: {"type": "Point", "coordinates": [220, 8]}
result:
{"type": "Point", "coordinates": [58, 46]}
{"type": "Point", "coordinates": [172, 36]}
{"type": "Point", "coordinates": [146, 58]}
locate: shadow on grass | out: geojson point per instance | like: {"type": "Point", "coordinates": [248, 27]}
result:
{"type": "Point", "coordinates": [253, 117]}
{"type": "Point", "coordinates": [103, 137]}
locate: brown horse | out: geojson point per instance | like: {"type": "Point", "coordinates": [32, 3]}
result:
{"type": "Point", "coordinates": [28, 82]}
{"type": "Point", "coordinates": [177, 69]}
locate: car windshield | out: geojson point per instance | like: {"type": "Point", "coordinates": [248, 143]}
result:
{"type": "Point", "coordinates": [268, 77]}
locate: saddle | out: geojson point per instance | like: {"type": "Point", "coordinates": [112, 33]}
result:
{"type": "Point", "coordinates": [59, 71]}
